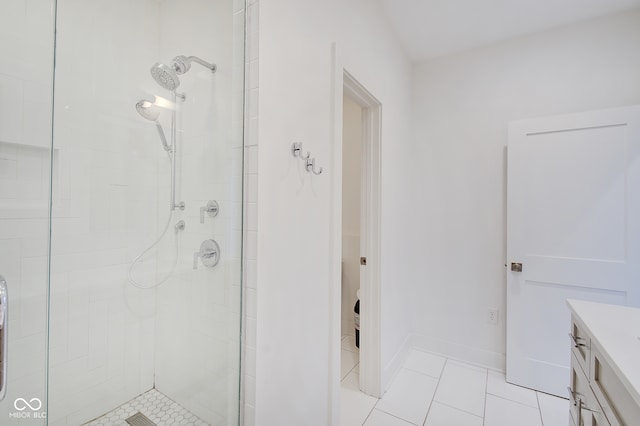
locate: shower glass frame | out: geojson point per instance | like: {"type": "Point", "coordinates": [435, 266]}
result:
{"type": "Point", "coordinates": [85, 188]}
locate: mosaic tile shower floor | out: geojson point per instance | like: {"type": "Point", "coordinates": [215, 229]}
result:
{"type": "Point", "coordinates": [156, 406]}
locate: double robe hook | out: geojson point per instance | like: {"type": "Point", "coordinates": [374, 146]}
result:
{"type": "Point", "coordinates": [310, 163]}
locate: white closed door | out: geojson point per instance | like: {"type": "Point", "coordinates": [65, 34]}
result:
{"type": "Point", "coordinates": [573, 223]}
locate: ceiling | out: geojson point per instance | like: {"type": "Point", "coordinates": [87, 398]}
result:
{"type": "Point", "coordinates": [432, 28]}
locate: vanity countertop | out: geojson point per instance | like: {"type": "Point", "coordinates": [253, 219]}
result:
{"type": "Point", "coordinates": [615, 330]}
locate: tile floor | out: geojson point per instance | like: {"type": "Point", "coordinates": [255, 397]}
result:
{"type": "Point", "coordinates": [156, 406]}
{"type": "Point", "coordinates": [431, 390]}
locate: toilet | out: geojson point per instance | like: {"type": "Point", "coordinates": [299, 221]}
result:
{"type": "Point", "coordinates": [356, 318]}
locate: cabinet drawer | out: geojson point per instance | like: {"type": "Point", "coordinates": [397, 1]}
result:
{"type": "Point", "coordinates": [580, 345]}
{"type": "Point", "coordinates": [616, 401]}
{"type": "Point", "coordinates": [571, 421]}
{"type": "Point", "coordinates": [585, 409]}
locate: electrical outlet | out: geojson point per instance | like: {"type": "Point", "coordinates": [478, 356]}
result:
{"type": "Point", "coordinates": [492, 316]}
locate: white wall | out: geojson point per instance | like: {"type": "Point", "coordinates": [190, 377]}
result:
{"type": "Point", "coordinates": [294, 261]}
{"type": "Point", "coordinates": [461, 108]}
{"type": "Point", "coordinates": [351, 176]}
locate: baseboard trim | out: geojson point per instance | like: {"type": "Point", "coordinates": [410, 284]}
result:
{"type": "Point", "coordinates": [391, 369]}
{"type": "Point", "coordinates": [483, 358]}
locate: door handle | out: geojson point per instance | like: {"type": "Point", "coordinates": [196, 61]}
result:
{"type": "Point", "coordinates": [516, 267]}
{"type": "Point", "coordinates": [4, 337]}
{"type": "Point", "coordinates": [575, 339]}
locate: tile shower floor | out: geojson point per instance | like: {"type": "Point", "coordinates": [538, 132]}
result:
{"type": "Point", "coordinates": [431, 390]}
{"type": "Point", "coordinates": [156, 406]}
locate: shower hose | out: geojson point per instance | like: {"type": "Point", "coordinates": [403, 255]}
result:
{"type": "Point", "coordinates": [138, 259]}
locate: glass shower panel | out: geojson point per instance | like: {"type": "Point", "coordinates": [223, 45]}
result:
{"type": "Point", "coordinates": [26, 67]}
{"type": "Point", "coordinates": [147, 212]}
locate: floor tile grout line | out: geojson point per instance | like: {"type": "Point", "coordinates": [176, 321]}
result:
{"type": "Point", "coordinates": [514, 401]}
{"type": "Point", "coordinates": [539, 409]}
{"type": "Point", "coordinates": [349, 372]}
{"type": "Point", "coordinates": [486, 386]}
{"type": "Point", "coordinates": [397, 417]}
{"type": "Point", "coordinates": [424, 374]}
{"type": "Point", "coordinates": [369, 415]}
{"type": "Point", "coordinates": [433, 398]}
{"type": "Point", "coordinates": [456, 362]}
{"type": "Point", "coordinates": [372, 408]}
{"type": "Point", "coordinates": [486, 392]}
{"type": "Point", "coordinates": [459, 409]}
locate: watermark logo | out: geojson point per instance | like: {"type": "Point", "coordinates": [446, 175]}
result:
{"type": "Point", "coordinates": [28, 409]}
{"type": "Point", "coordinates": [21, 404]}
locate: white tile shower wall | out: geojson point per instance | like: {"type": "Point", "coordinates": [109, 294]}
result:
{"type": "Point", "coordinates": [197, 351]}
{"type": "Point", "coordinates": [26, 65]}
{"type": "Point", "coordinates": [106, 209]}
{"type": "Point", "coordinates": [250, 200]}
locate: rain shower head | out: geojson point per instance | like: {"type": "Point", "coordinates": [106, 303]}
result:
{"type": "Point", "coordinates": [167, 75]}
{"type": "Point", "coordinates": [150, 111]}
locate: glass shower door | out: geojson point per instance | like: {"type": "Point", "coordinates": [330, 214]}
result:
{"type": "Point", "coordinates": [26, 69]}
{"type": "Point", "coordinates": [121, 211]}
{"type": "Point", "coordinates": [147, 217]}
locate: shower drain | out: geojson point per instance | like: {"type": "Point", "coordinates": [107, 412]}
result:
{"type": "Point", "coordinates": [139, 419]}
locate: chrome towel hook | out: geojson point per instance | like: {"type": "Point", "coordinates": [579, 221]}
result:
{"type": "Point", "coordinates": [310, 163]}
{"type": "Point", "coordinates": [311, 166]}
{"type": "Point", "coordinates": [296, 150]}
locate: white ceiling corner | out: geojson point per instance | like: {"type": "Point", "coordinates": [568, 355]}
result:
{"type": "Point", "coordinates": [432, 28]}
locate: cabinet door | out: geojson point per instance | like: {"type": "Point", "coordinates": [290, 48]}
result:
{"type": "Point", "coordinates": [616, 401]}
{"type": "Point", "coordinates": [585, 410]}
{"type": "Point", "coordinates": [580, 345]}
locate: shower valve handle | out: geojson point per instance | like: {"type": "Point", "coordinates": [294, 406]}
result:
{"type": "Point", "coordinates": [212, 208]}
{"type": "Point", "coordinates": [209, 254]}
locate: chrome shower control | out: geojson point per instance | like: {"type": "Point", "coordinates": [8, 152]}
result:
{"type": "Point", "coordinates": [212, 208]}
{"type": "Point", "coordinates": [209, 254]}
{"type": "Point", "coordinates": [181, 205]}
{"type": "Point", "coordinates": [180, 226]}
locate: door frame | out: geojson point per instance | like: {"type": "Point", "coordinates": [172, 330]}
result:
{"type": "Point", "coordinates": [345, 84]}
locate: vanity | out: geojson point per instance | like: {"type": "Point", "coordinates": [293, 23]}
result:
{"type": "Point", "coordinates": [604, 386]}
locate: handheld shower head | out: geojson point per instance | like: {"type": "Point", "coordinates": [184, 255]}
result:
{"type": "Point", "coordinates": [167, 75]}
{"type": "Point", "coordinates": [149, 111]}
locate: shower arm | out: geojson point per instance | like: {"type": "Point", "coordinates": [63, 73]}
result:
{"type": "Point", "coordinates": [205, 64]}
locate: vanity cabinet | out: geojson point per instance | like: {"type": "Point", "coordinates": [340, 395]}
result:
{"type": "Point", "coordinates": [604, 385]}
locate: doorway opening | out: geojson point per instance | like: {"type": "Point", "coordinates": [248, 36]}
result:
{"type": "Point", "coordinates": [357, 240]}
{"type": "Point", "coordinates": [352, 143]}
